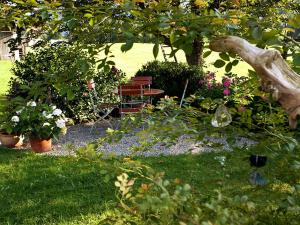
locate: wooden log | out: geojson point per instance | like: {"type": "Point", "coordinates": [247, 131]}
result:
{"type": "Point", "coordinates": [276, 75]}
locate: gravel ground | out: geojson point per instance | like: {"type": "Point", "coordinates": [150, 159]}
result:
{"type": "Point", "coordinates": [184, 145]}
{"type": "Point", "coordinates": [80, 135]}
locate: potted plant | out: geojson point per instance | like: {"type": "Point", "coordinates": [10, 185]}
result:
{"type": "Point", "coordinates": [41, 123]}
{"type": "Point", "coordinates": [9, 130]}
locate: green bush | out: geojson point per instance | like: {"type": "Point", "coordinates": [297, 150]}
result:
{"type": "Point", "coordinates": [57, 74]}
{"type": "Point", "coordinates": [171, 77]}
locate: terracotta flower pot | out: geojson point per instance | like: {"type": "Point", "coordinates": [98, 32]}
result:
{"type": "Point", "coordinates": [10, 140]}
{"type": "Point", "coordinates": [40, 145]}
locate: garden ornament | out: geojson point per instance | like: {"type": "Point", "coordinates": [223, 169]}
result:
{"type": "Point", "coordinates": [257, 179]}
{"type": "Point", "coordinates": [276, 75]}
{"type": "Point", "coordinates": [257, 161]}
{"type": "Point", "coordinates": [222, 117]}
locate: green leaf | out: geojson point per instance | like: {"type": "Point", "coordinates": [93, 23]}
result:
{"type": "Point", "coordinates": [235, 62]}
{"type": "Point", "coordinates": [219, 63]}
{"type": "Point", "coordinates": [232, 55]}
{"type": "Point", "coordinates": [106, 69]}
{"type": "Point", "coordinates": [19, 2]}
{"type": "Point", "coordinates": [72, 23]}
{"type": "Point", "coordinates": [172, 38]}
{"type": "Point", "coordinates": [257, 33]}
{"type": "Point", "coordinates": [106, 178]}
{"type": "Point", "coordinates": [296, 59]}
{"type": "Point", "coordinates": [224, 56]}
{"type": "Point", "coordinates": [44, 15]}
{"type": "Point", "coordinates": [294, 22]}
{"type": "Point", "coordinates": [155, 50]}
{"type": "Point", "coordinates": [228, 67]}
{"type": "Point", "coordinates": [296, 165]}
{"type": "Point", "coordinates": [70, 94]}
{"type": "Point", "coordinates": [88, 15]}
{"type": "Point", "coordinates": [206, 54]}
{"type": "Point", "coordinates": [84, 66]}
{"type": "Point", "coordinates": [103, 172]}
{"type": "Point", "coordinates": [91, 22]}
{"type": "Point", "coordinates": [106, 50]}
{"type": "Point", "coordinates": [127, 46]}
{"type": "Point", "coordinates": [269, 34]}
{"type": "Point", "coordinates": [128, 35]}
{"type": "Point", "coordinates": [111, 62]}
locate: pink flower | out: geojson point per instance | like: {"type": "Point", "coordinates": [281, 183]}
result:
{"type": "Point", "coordinates": [226, 82]}
{"type": "Point", "coordinates": [209, 85]}
{"type": "Point", "coordinates": [201, 82]}
{"type": "Point", "coordinates": [226, 91]}
{"type": "Point", "coordinates": [210, 76]}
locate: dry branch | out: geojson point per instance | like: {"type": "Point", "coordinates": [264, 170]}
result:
{"type": "Point", "coordinates": [276, 75]}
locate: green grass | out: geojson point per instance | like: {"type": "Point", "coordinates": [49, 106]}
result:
{"type": "Point", "coordinates": [5, 75]}
{"type": "Point", "coordinates": [130, 62]}
{"type": "Point", "coordinates": [37, 189]}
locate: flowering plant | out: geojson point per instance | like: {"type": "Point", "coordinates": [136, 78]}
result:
{"type": "Point", "coordinates": [40, 120]}
{"type": "Point", "coordinates": [8, 124]}
{"type": "Point", "coordinates": [211, 88]}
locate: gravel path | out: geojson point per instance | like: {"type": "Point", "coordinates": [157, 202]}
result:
{"type": "Point", "coordinates": [80, 135]}
{"type": "Point", "coordinates": [184, 145]}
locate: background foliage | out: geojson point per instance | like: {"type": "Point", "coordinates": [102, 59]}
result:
{"type": "Point", "coordinates": [171, 77]}
{"type": "Point", "coordinates": [57, 74]}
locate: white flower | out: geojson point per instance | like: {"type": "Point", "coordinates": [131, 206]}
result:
{"type": "Point", "coordinates": [49, 116]}
{"type": "Point", "coordinates": [57, 112]}
{"type": "Point", "coordinates": [15, 119]}
{"type": "Point", "coordinates": [46, 124]}
{"type": "Point", "coordinates": [60, 123]}
{"type": "Point", "coordinates": [53, 107]}
{"type": "Point", "coordinates": [221, 159]}
{"type": "Point", "coordinates": [19, 111]}
{"type": "Point", "coordinates": [31, 103]}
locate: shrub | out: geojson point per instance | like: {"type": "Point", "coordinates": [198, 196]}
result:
{"type": "Point", "coordinates": [171, 77]}
{"type": "Point", "coordinates": [57, 74]}
{"type": "Point", "coordinates": [250, 107]}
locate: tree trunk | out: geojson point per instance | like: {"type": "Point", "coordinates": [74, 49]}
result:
{"type": "Point", "coordinates": [195, 58]}
{"type": "Point", "coordinates": [276, 75]}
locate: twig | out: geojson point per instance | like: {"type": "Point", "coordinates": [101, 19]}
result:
{"type": "Point", "coordinates": [291, 39]}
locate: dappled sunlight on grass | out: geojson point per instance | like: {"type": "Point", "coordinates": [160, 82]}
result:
{"type": "Point", "coordinates": [5, 75]}
{"type": "Point", "coordinates": [68, 190]}
{"type": "Point", "coordinates": [282, 187]}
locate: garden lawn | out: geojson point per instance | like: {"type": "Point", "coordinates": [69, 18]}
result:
{"type": "Point", "coordinates": [40, 189]}
{"type": "Point", "coordinates": [5, 75]}
{"type": "Point", "coordinates": [130, 62]}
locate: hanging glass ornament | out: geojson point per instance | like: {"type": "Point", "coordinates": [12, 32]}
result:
{"type": "Point", "coordinates": [222, 117]}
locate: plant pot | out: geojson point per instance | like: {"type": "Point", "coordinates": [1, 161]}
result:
{"type": "Point", "coordinates": [10, 140]}
{"type": "Point", "coordinates": [40, 145]}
